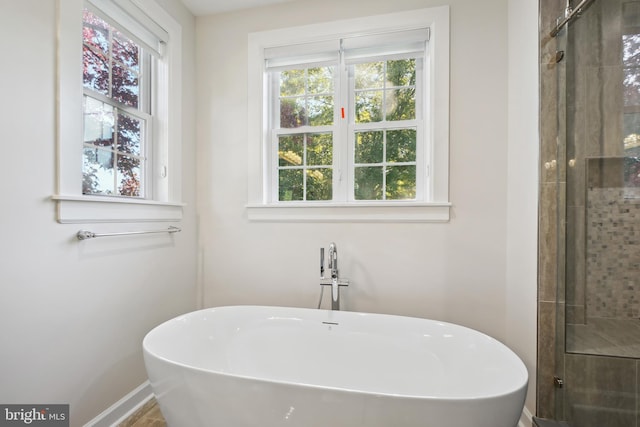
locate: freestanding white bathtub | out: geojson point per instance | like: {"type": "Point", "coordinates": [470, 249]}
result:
{"type": "Point", "coordinates": [250, 366]}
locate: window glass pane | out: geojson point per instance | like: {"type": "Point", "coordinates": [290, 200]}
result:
{"type": "Point", "coordinates": [290, 150]}
{"type": "Point", "coordinates": [129, 176]}
{"type": "Point", "coordinates": [401, 73]}
{"type": "Point", "coordinates": [319, 149]}
{"type": "Point", "coordinates": [631, 86]}
{"type": "Point", "coordinates": [631, 50]}
{"type": "Point", "coordinates": [319, 184]}
{"type": "Point", "coordinates": [631, 129]}
{"type": "Point", "coordinates": [320, 80]}
{"type": "Point", "coordinates": [401, 182]}
{"type": "Point", "coordinates": [292, 82]}
{"type": "Point", "coordinates": [401, 104]}
{"type": "Point", "coordinates": [631, 62]}
{"type": "Point", "coordinates": [401, 145]}
{"type": "Point", "coordinates": [125, 85]}
{"type": "Point", "coordinates": [129, 136]}
{"type": "Point", "coordinates": [97, 171]}
{"type": "Point", "coordinates": [306, 97]}
{"type": "Point", "coordinates": [369, 147]}
{"type": "Point", "coordinates": [397, 78]}
{"type": "Point", "coordinates": [95, 74]}
{"type": "Point", "coordinates": [126, 52]}
{"type": "Point", "coordinates": [369, 75]}
{"type": "Point", "coordinates": [95, 32]}
{"type": "Point", "coordinates": [369, 106]}
{"type": "Point", "coordinates": [95, 53]}
{"type": "Point", "coordinates": [320, 110]}
{"type": "Point", "coordinates": [98, 123]}
{"type": "Point", "coordinates": [368, 183]}
{"type": "Point", "coordinates": [291, 185]}
{"type": "Point", "coordinates": [293, 113]}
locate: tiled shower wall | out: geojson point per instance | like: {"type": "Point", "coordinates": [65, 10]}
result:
{"type": "Point", "coordinates": [585, 122]}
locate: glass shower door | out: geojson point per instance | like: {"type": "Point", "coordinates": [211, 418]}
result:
{"type": "Point", "coordinates": [599, 195]}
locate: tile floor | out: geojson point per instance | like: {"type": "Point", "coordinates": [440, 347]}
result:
{"type": "Point", "coordinates": [148, 416]}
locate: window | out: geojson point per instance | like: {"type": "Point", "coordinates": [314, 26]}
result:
{"type": "Point", "coordinates": [116, 110]}
{"type": "Point", "coordinates": [352, 125]}
{"type": "Point", "coordinates": [119, 83]}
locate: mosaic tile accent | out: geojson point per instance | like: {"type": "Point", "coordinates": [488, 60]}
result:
{"type": "Point", "coordinates": [613, 252]}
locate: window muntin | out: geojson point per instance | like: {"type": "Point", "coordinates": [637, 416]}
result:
{"type": "Point", "coordinates": [116, 119]}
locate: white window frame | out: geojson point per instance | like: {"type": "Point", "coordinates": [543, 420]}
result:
{"type": "Point", "coordinates": [435, 206]}
{"type": "Point", "coordinates": [165, 201]}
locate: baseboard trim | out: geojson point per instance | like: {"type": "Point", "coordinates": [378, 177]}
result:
{"type": "Point", "coordinates": [526, 418]}
{"type": "Point", "coordinates": [123, 408]}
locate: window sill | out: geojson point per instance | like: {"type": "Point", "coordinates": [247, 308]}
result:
{"type": "Point", "coordinates": [365, 212]}
{"type": "Point", "coordinates": [92, 209]}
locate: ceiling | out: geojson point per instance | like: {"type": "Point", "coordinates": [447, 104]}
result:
{"type": "Point", "coordinates": [206, 7]}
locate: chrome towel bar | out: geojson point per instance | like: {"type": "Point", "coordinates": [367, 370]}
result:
{"type": "Point", "coordinates": [84, 234]}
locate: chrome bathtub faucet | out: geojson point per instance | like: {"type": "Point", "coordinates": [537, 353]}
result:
{"type": "Point", "coordinates": [334, 280]}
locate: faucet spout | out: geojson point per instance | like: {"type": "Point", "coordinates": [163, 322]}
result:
{"type": "Point", "coordinates": [335, 294]}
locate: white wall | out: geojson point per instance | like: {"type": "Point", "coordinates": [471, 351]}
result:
{"type": "Point", "coordinates": [73, 314]}
{"type": "Point", "coordinates": [478, 270]}
{"type": "Point", "coordinates": [453, 271]}
{"type": "Point", "coordinates": [522, 190]}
